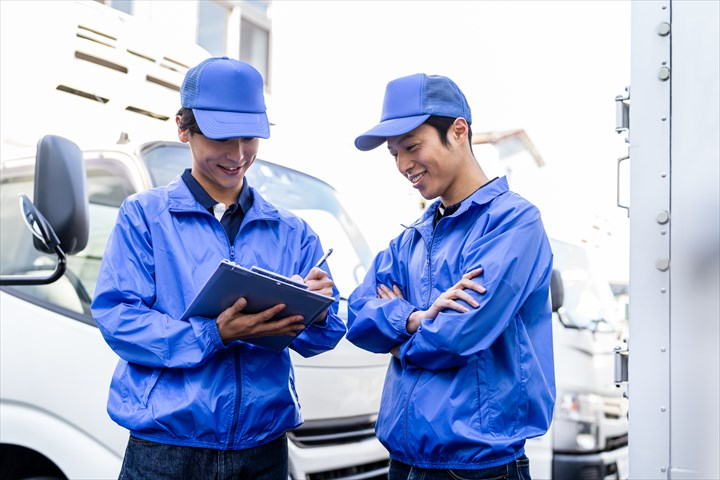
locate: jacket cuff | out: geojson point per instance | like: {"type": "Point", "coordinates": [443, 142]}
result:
{"type": "Point", "coordinates": [398, 319]}
{"type": "Point", "coordinates": [214, 335]}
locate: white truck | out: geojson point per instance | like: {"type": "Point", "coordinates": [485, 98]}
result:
{"type": "Point", "coordinates": [56, 366]}
{"type": "Point", "coordinates": [671, 113]}
{"type": "Point", "coordinates": [97, 83]}
{"type": "Point", "coordinates": [588, 437]}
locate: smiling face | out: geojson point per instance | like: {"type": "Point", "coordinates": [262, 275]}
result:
{"type": "Point", "coordinates": [220, 165]}
{"type": "Point", "coordinates": [435, 170]}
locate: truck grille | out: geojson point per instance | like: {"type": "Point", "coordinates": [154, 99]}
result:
{"type": "Point", "coordinates": [333, 431]}
{"type": "Point", "coordinates": [611, 443]}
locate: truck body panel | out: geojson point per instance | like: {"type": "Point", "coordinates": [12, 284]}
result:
{"type": "Point", "coordinates": [674, 353]}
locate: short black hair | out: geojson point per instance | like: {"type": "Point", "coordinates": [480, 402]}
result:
{"type": "Point", "coordinates": [187, 121]}
{"type": "Point", "coordinates": [442, 125]}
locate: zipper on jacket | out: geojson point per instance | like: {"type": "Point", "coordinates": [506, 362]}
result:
{"type": "Point", "coordinates": [428, 246]}
{"type": "Point", "coordinates": [429, 267]}
{"type": "Point", "coordinates": [238, 396]}
{"type": "Point", "coordinates": [231, 247]}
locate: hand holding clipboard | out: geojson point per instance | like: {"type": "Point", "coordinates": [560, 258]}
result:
{"type": "Point", "coordinates": [274, 308]}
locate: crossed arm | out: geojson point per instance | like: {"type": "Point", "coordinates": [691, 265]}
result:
{"type": "Point", "coordinates": [447, 300]}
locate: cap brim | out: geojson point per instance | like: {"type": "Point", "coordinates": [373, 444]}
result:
{"type": "Point", "coordinates": [377, 135]}
{"type": "Point", "coordinates": [217, 124]}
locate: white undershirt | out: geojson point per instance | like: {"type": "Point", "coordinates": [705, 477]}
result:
{"type": "Point", "coordinates": [219, 210]}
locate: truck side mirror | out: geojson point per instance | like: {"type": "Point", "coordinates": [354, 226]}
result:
{"type": "Point", "coordinates": [59, 219]}
{"type": "Point", "coordinates": [61, 193]}
{"type": "Point", "coordinates": [557, 292]}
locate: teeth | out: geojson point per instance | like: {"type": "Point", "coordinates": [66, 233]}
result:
{"type": "Point", "coordinates": [415, 178]}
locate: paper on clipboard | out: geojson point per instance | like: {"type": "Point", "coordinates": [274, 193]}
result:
{"type": "Point", "coordinates": [262, 291]}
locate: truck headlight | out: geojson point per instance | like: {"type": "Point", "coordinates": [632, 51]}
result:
{"type": "Point", "coordinates": [576, 423]}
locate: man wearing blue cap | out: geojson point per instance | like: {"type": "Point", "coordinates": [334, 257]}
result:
{"type": "Point", "coordinates": [472, 375]}
{"type": "Point", "coordinates": [201, 403]}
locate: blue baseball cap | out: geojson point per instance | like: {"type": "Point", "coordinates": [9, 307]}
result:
{"type": "Point", "coordinates": [226, 96]}
{"type": "Point", "coordinates": [409, 102]}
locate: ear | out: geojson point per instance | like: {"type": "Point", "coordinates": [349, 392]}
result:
{"type": "Point", "coordinates": [182, 133]}
{"type": "Point", "coordinates": [460, 130]}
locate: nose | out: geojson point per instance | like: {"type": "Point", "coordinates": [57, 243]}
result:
{"type": "Point", "coordinates": [404, 163]}
{"type": "Point", "coordinates": [234, 150]}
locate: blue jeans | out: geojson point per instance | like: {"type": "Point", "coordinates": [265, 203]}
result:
{"type": "Point", "coordinates": [146, 460]}
{"type": "Point", "coordinates": [516, 470]}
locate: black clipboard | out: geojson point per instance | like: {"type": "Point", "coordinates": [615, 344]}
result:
{"type": "Point", "coordinates": [262, 290]}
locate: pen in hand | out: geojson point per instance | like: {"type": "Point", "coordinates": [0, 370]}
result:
{"type": "Point", "coordinates": [324, 258]}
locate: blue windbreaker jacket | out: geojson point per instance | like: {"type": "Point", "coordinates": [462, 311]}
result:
{"type": "Point", "coordinates": [469, 388]}
{"type": "Point", "coordinates": [176, 382]}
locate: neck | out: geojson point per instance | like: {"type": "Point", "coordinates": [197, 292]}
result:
{"type": "Point", "coordinates": [466, 183]}
{"type": "Point", "coordinates": [222, 195]}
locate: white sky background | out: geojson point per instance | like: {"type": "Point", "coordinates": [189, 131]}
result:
{"type": "Point", "coordinates": [551, 68]}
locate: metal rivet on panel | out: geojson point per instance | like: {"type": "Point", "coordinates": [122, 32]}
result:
{"type": "Point", "coordinates": [662, 264]}
{"type": "Point", "coordinates": [664, 73]}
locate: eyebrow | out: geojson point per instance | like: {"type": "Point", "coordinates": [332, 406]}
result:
{"type": "Point", "coordinates": [403, 138]}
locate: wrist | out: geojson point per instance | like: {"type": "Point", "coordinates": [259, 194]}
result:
{"type": "Point", "coordinates": [413, 321]}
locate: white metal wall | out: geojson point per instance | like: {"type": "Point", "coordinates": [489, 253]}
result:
{"type": "Point", "coordinates": [649, 362]}
{"type": "Point", "coordinates": [674, 367]}
{"type": "Point", "coordinates": [695, 241]}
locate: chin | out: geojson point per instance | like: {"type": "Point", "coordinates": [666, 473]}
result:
{"type": "Point", "coordinates": [428, 196]}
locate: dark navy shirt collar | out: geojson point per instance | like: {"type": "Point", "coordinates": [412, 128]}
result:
{"type": "Point", "coordinates": [204, 198]}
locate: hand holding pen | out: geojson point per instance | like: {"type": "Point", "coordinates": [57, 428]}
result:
{"type": "Point", "coordinates": [318, 279]}
{"type": "Point", "coordinates": [312, 275]}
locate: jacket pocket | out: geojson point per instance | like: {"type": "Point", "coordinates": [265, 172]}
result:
{"type": "Point", "coordinates": [484, 372]}
{"type": "Point", "coordinates": [152, 381]}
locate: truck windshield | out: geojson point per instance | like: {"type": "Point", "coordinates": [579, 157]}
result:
{"type": "Point", "coordinates": [589, 301]}
{"type": "Point", "coordinates": [308, 197]}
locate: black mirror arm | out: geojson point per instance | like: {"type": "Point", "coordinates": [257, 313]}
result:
{"type": "Point", "coordinates": [36, 280]}
{"type": "Point", "coordinates": [50, 241]}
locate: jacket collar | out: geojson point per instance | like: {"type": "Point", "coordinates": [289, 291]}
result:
{"type": "Point", "coordinates": [181, 199]}
{"type": "Point", "coordinates": [482, 196]}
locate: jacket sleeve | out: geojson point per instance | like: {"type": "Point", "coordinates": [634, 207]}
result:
{"type": "Point", "coordinates": [375, 324]}
{"type": "Point", "coordinates": [516, 261]}
{"type": "Point", "coordinates": [125, 293]}
{"type": "Point", "coordinates": [318, 338]}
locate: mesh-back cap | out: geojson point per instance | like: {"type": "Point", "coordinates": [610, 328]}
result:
{"type": "Point", "coordinates": [409, 102]}
{"type": "Point", "coordinates": [227, 98]}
